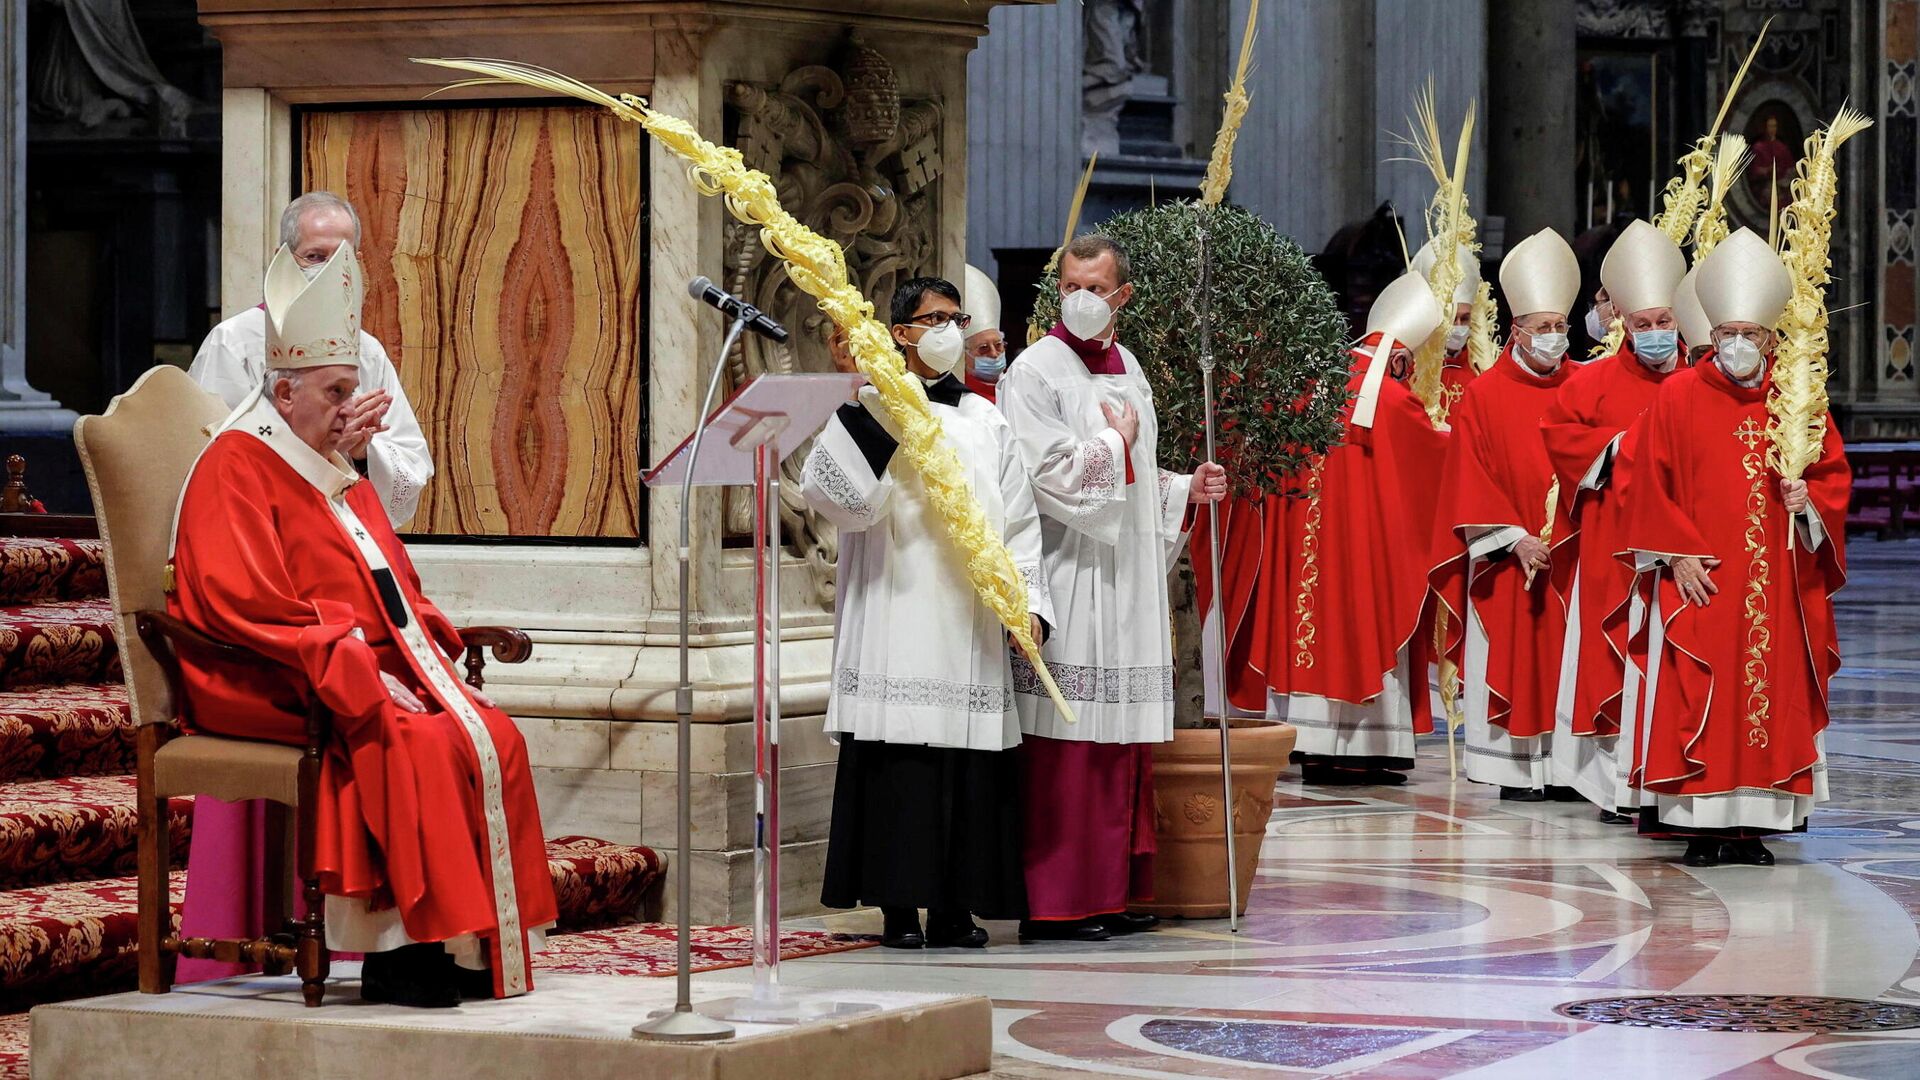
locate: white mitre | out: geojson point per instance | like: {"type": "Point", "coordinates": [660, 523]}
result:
{"type": "Point", "coordinates": [981, 300]}
{"type": "Point", "coordinates": [1744, 281]}
{"type": "Point", "coordinates": [1405, 313]}
{"type": "Point", "coordinates": [313, 323]}
{"type": "Point", "coordinates": [1694, 325]}
{"type": "Point", "coordinates": [1469, 287]}
{"type": "Point", "coordinates": [1642, 269]}
{"type": "Point", "coordinates": [1541, 273]}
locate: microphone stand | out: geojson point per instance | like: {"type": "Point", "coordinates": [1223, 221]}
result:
{"type": "Point", "coordinates": [681, 1023]}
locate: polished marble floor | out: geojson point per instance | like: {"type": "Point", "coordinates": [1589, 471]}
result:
{"type": "Point", "coordinates": [1431, 930]}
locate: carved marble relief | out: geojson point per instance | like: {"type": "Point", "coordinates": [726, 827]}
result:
{"type": "Point", "coordinates": [861, 166]}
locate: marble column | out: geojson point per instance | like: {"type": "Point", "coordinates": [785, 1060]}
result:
{"type": "Point", "coordinates": [1530, 104]}
{"type": "Point", "coordinates": [22, 408]}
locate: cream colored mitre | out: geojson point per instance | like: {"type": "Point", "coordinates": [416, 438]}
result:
{"type": "Point", "coordinates": [1469, 286]}
{"type": "Point", "coordinates": [1744, 281]}
{"type": "Point", "coordinates": [981, 300]}
{"type": "Point", "coordinates": [313, 323]}
{"type": "Point", "coordinates": [1541, 273]}
{"type": "Point", "coordinates": [1642, 269]}
{"type": "Point", "coordinates": [1406, 313]}
{"type": "Point", "coordinates": [1694, 327]}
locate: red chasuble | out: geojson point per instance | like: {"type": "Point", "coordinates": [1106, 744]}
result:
{"type": "Point", "coordinates": [428, 813]}
{"type": "Point", "coordinates": [1743, 681]}
{"type": "Point", "coordinates": [1323, 589]}
{"type": "Point", "coordinates": [1599, 402]}
{"type": "Point", "coordinates": [1497, 477]}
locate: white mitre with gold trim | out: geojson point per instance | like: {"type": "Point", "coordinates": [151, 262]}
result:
{"type": "Point", "coordinates": [1469, 287]}
{"type": "Point", "coordinates": [1744, 281]}
{"type": "Point", "coordinates": [980, 299]}
{"type": "Point", "coordinates": [1694, 327]}
{"type": "Point", "coordinates": [1404, 313]}
{"type": "Point", "coordinates": [1642, 269]}
{"type": "Point", "coordinates": [1541, 273]}
{"type": "Point", "coordinates": [313, 323]}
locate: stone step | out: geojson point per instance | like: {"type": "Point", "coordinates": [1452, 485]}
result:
{"type": "Point", "coordinates": [37, 570]}
{"type": "Point", "coordinates": [58, 642]}
{"type": "Point", "coordinates": [47, 732]}
{"type": "Point", "coordinates": [75, 829]}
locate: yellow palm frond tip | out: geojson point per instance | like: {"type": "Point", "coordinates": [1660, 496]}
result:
{"type": "Point", "coordinates": [1797, 402]}
{"type": "Point", "coordinates": [1220, 164]}
{"type": "Point", "coordinates": [818, 266]}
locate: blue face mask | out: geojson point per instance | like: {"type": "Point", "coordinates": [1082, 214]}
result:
{"type": "Point", "coordinates": [989, 368]}
{"type": "Point", "coordinates": [1656, 346]}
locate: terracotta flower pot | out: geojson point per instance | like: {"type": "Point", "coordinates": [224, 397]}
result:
{"type": "Point", "coordinates": [1189, 870]}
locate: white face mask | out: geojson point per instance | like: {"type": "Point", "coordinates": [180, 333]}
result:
{"type": "Point", "coordinates": [1085, 314]}
{"type": "Point", "coordinates": [1457, 338]}
{"type": "Point", "coordinates": [1548, 348]}
{"type": "Point", "coordinates": [941, 348]}
{"type": "Point", "coordinates": [312, 272]}
{"type": "Point", "coordinates": [1739, 357]}
{"type": "Point", "coordinates": [1596, 326]}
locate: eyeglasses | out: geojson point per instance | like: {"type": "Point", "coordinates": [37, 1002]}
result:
{"type": "Point", "coordinates": [936, 319]}
{"type": "Point", "coordinates": [1757, 338]}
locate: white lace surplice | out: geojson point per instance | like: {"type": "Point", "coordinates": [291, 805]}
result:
{"type": "Point", "coordinates": [1108, 546]}
{"type": "Point", "coordinates": [233, 360]}
{"type": "Point", "coordinates": [917, 658]}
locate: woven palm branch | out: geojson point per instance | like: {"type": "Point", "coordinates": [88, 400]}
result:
{"type": "Point", "coordinates": [818, 266]}
{"type": "Point", "coordinates": [1728, 163]}
{"type": "Point", "coordinates": [1449, 228]}
{"type": "Point", "coordinates": [1686, 194]}
{"type": "Point", "coordinates": [1797, 402]}
{"type": "Point", "coordinates": [1034, 330]}
{"type": "Point", "coordinates": [1220, 164]}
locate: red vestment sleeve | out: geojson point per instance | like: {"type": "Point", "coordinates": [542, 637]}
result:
{"type": "Point", "coordinates": [231, 563]}
{"type": "Point", "coordinates": [1574, 432]}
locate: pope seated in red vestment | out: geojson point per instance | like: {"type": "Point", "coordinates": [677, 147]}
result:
{"type": "Point", "coordinates": [429, 841]}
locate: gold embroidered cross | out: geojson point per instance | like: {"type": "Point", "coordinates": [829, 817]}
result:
{"type": "Point", "coordinates": [1750, 433]}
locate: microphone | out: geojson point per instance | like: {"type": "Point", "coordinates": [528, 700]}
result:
{"type": "Point", "coordinates": [707, 292]}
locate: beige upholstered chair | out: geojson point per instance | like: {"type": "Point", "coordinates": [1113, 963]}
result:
{"type": "Point", "coordinates": [137, 457]}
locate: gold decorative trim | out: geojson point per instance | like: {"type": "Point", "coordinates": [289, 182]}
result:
{"type": "Point", "coordinates": [1303, 605]}
{"type": "Point", "coordinates": [1759, 643]}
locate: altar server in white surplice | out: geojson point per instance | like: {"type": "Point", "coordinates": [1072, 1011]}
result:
{"type": "Point", "coordinates": [383, 437]}
{"type": "Point", "coordinates": [926, 804]}
{"type": "Point", "coordinates": [1112, 521]}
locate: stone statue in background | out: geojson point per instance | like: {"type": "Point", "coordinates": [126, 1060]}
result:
{"type": "Point", "coordinates": [1111, 30]}
{"type": "Point", "coordinates": [89, 66]}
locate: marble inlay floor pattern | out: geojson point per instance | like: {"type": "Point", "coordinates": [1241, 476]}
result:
{"type": "Point", "coordinates": [1432, 930]}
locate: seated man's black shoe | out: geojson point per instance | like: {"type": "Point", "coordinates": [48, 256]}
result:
{"type": "Point", "coordinates": [1063, 930]}
{"type": "Point", "coordinates": [417, 976]}
{"type": "Point", "coordinates": [1556, 793]}
{"type": "Point", "coordinates": [1522, 794]}
{"type": "Point", "coordinates": [1127, 922]}
{"type": "Point", "coordinates": [902, 929]}
{"type": "Point", "coordinates": [1608, 817]}
{"type": "Point", "coordinates": [1702, 852]}
{"type": "Point", "coordinates": [954, 930]}
{"type": "Point", "coordinates": [474, 985]}
{"type": "Point", "coordinates": [1749, 852]}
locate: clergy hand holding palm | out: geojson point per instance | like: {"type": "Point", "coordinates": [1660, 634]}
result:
{"type": "Point", "coordinates": [1794, 494]}
{"type": "Point", "coordinates": [1534, 555]}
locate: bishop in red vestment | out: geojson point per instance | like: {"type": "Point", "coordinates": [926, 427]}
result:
{"type": "Point", "coordinates": [1457, 370]}
{"type": "Point", "coordinates": [1739, 680]}
{"type": "Point", "coordinates": [1345, 633]}
{"type": "Point", "coordinates": [429, 845]}
{"type": "Point", "coordinates": [1498, 523]}
{"type": "Point", "coordinates": [1588, 431]}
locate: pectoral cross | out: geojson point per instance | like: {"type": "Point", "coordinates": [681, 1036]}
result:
{"type": "Point", "coordinates": [1750, 432]}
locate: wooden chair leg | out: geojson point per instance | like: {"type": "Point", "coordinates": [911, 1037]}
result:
{"type": "Point", "coordinates": [311, 957]}
{"type": "Point", "coordinates": [155, 918]}
{"type": "Point", "coordinates": [277, 876]}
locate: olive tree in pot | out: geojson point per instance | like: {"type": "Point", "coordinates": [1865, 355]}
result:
{"type": "Point", "coordinates": [1278, 337]}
